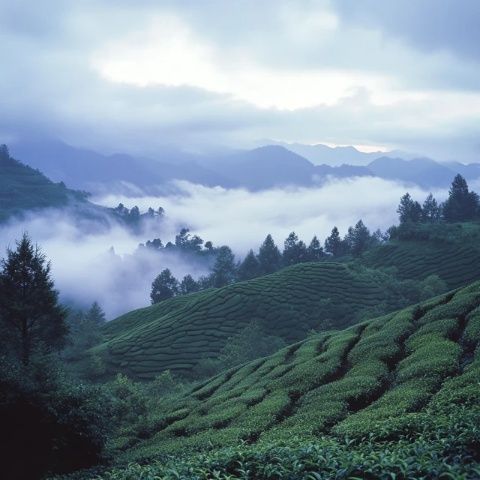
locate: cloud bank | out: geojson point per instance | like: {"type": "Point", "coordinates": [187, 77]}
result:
{"type": "Point", "coordinates": [242, 219]}
{"type": "Point", "coordinates": [85, 269]}
{"type": "Point", "coordinates": [132, 76]}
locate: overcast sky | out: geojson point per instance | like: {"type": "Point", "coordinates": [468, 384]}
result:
{"type": "Point", "coordinates": [132, 75]}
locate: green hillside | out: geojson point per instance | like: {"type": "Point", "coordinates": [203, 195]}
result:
{"type": "Point", "coordinates": [451, 251]}
{"type": "Point", "coordinates": [396, 392]}
{"type": "Point", "coordinates": [176, 334]}
{"type": "Point", "coordinates": [22, 188]}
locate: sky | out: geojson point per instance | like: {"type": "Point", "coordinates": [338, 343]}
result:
{"type": "Point", "coordinates": [135, 75]}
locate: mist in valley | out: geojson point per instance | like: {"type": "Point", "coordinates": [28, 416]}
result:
{"type": "Point", "coordinates": [104, 264]}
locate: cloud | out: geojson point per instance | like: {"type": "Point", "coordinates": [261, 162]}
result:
{"type": "Point", "coordinates": [428, 25]}
{"type": "Point", "coordinates": [242, 219]}
{"type": "Point", "coordinates": [84, 268]}
{"type": "Point", "coordinates": [132, 76]}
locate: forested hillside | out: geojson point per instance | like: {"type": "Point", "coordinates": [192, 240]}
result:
{"type": "Point", "coordinates": [22, 188]}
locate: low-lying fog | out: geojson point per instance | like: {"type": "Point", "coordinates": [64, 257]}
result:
{"type": "Point", "coordinates": [85, 269]}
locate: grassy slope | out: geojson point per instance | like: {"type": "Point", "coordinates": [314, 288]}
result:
{"type": "Point", "coordinates": [449, 251]}
{"type": "Point", "coordinates": [177, 333]}
{"type": "Point", "coordinates": [401, 374]}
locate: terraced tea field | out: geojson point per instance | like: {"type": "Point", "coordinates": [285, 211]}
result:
{"type": "Point", "coordinates": [178, 333]}
{"type": "Point", "coordinates": [380, 379]}
{"type": "Point", "coordinates": [456, 262]}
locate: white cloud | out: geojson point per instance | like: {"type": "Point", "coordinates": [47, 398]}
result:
{"type": "Point", "coordinates": [131, 76]}
{"type": "Point", "coordinates": [168, 53]}
{"type": "Point", "coordinates": [242, 219]}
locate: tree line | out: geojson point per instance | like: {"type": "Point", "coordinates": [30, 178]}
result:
{"type": "Point", "coordinates": [267, 259]}
{"type": "Point", "coordinates": [462, 205]}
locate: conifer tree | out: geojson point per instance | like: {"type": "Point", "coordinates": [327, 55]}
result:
{"type": "Point", "coordinates": [358, 238]}
{"type": "Point", "coordinates": [269, 256]}
{"type": "Point", "coordinates": [295, 251]}
{"type": "Point", "coordinates": [334, 244]}
{"type": "Point", "coordinates": [431, 211]}
{"type": "Point", "coordinates": [224, 269]}
{"type": "Point", "coordinates": [32, 319]}
{"type": "Point", "coordinates": [249, 268]}
{"type": "Point", "coordinates": [409, 211]}
{"type": "Point", "coordinates": [462, 205]}
{"type": "Point", "coordinates": [315, 250]}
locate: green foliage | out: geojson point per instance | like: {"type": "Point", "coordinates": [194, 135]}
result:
{"type": "Point", "coordinates": [450, 251]}
{"type": "Point", "coordinates": [431, 211]}
{"type": "Point", "coordinates": [334, 244]}
{"type": "Point", "coordinates": [49, 424]}
{"type": "Point", "coordinates": [269, 256]}
{"type": "Point", "coordinates": [224, 270]}
{"type": "Point", "coordinates": [409, 211]}
{"type": "Point", "coordinates": [180, 332]}
{"type": "Point", "coordinates": [294, 251]}
{"type": "Point", "coordinates": [130, 401]}
{"type": "Point", "coordinates": [445, 450]}
{"type": "Point", "coordinates": [462, 205]}
{"type": "Point", "coordinates": [164, 286]}
{"type": "Point", "coordinates": [22, 188]}
{"type": "Point", "coordinates": [315, 251]}
{"type": "Point", "coordinates": [32, 321]}
{"type": "Point", "coordinates": [188, 285]}
{"type": "Point", "coordinates": [358, 239]}
{"type": "Point", "coordinates": [384, 380]}
{"type": "Point", "coordinates": [249, 268]}
{"type": "Point", "coordinates": [250, 343]}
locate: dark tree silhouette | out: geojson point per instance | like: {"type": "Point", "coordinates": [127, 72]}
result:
{"type": "Point", "coordinates": [358, 238]}
{"type": "Point", "coordinates": [431, 211]}
{"type": "Point", "coordinates": [249, 268]}
{"type": "Point", "coordinates": [334, 244]}
{"type": "Point", "coordinates": [164, 286]}
{"type": "Point", "coordinates": [409, 211]}
{"type": "Point", "coordinates": [32, 319]}
{"type": "Point", "coordinates": [188, 285]}
{"type": "Point", "coordinates": [462, 205]}
{"type": "Point", "coordinates": [269, 256]}
{"type": "Point", "coordinates": [295, 251]}
{"type": "Point", "coordinates": [315, 250]}
{"type": "Point", "coordinates": [224, 270]}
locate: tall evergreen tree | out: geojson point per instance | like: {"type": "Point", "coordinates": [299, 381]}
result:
{"type": "Point", "coordinates": [95, 315]}
{"type": "Point", "coordinates": [431, 211]}
{"type": "Point", "coordinates": [409, 211]}
{"type": "Point", "coordinates": [269, 256]}
{"type": "Point", "coordinates": [31, 317]}
{"type": "Point", "coordinates": [315, 250]}
{"type": "Point", "coordinates": [224, 269]}
{"type": "Point", "coordinates": [358, 238]}
{"type": "Point", "coordinates": [295, 251]}
{"type": "Point", "coordinates": [164, 286]}
{"type": "Point", "coordinates": [462, 205]}
{"type": "Point", "coordinates": [85, 330]}
{"type": "Point", "coordinates": [249, 268]}
{"type": "Point", "coordinates": [334, 244]}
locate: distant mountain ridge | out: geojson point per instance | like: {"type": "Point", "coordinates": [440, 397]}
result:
{"type": "Point", "coordinates": [262, 168]}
